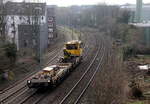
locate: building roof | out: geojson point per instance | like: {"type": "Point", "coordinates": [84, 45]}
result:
{"type": "Point", "coordinates": [141, 24]}
{"type": "Point", "coordinates": [49, 68]}
{"type": "Point", "coordinates": [74, 42]}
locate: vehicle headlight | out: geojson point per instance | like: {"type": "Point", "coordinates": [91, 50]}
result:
{"type": "Point", "coordinates": [29, 81]}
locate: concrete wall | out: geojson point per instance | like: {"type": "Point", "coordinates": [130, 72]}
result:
{"type": "Point", "coordinates": [14, 21]}
{"type": "Point", "coordinates": [146, 31]}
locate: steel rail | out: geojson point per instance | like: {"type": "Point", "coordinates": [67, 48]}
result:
{"type": "Point", "coordinates": [41, 97]}
{"type": "Point", "coordinates": [69, 93]}
{"type": "Point", "coordinates": [5, 98]}
{"type": "Point", "coordinates": [91, 79]}
{"type": "Point", "coordinates": [34, 91]}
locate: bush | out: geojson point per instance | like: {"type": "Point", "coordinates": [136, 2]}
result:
{"type": "Point", "coordinates": [11, 51]}
{"type": "Point", "coordinates": [109, 84]}
{"type": "Point", "coordinates": [136, 92]}
{"type": "Point", "coordinates": [129, 51]}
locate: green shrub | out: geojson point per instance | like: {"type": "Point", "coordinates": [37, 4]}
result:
{"type": "Point", "coordinates": [128, 51]}
{"type": "Point", "coordinates": [139, 102]}
{"type": "Point", "coordinates": [11, 51]}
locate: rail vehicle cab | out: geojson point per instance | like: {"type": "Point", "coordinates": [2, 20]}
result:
{"type": "Point", "coordinates": [43, 78]}
{"type": "Point", "coordinates": [73, 48]}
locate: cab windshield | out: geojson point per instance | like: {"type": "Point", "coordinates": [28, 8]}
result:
{"type": "Point", "coordinates": [71, 46]}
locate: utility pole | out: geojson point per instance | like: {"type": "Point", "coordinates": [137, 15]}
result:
{"type": "Point", "coordinates": [2, 20]}
{"type": "Point", "coordinates": [37, 31]}
{"type": "Point", "coordinates": [36, 25]}
{"type": "Point", "coordinates": [72, 32]}
{"type": "Point", "coordinates": [14, 30]}
{"type": "Point", "coordinates": [79, 23]}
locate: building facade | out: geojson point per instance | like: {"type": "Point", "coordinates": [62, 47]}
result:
{"type": "Point", "coordinates": [145, 31]}
{"type": "Point", "coordinates": [144, 16]}
{"type": "Point", "coordinates": [52, 31]}
{"type": "Point", "coordinates": [27, 25]}
{"type": "Point", "coordinates": [19, 14]}
{"type": "Point", "coordinates": [138, 13]}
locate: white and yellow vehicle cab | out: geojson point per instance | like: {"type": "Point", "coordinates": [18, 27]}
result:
{"type": "Point", "coordinates": [73, 49]}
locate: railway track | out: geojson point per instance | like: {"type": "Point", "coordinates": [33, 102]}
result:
{"type": "Point", "coordinates": [36, 97]}
{"type": "Point", "coordinates": [86, 90]}
{"type": "Point", "coordinates": [55, 94]}
{"type": "Point", "coordinates": [20, 85]}
{"type": "Point", "coordinates": [29, 98]}
{"type": "Point", "coordinates": [11, 91]}
{"type": "Point", "coordinates": [82, 98]}
{"type": "Point", "coordinates": [74, 95]}
{"type": "Point", "coordinates": [48, 56]}
{"type": "Point", "coordinates": [23, 96]}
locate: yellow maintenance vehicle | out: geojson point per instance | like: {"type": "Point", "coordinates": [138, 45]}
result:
{"type": "Point", "coordinates": [54, 74]}
{"type": "Point", "coordinates": [73, 51]}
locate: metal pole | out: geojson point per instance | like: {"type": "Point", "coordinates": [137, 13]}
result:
{"type": "Point", "coordinates": [72, 33]}
{"type": "Point", "coordinates": [2, 22]}
{"type": "Point", "coordinates": [37, 30]}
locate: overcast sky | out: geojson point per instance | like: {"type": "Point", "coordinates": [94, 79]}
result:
{"type": "Point", "coordinates": [86, 2]}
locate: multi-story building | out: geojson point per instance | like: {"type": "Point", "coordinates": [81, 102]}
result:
{"type": "Point", "coordinates": [28, 14]}
{"type": "Point", "coordinates": [145, 31]}
{"type": "Point", "coordinates": [140, 18]}
{"type": "Point", "coordinates": [144, 14]}
{"type": "Point", "coordinates": [27, 24]}
{"type": "Point", "coordinates": [52, 32]}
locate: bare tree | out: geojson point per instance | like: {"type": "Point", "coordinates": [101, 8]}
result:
{"type": "Point", "coordinates": [110, 84]}
{"type": "Point", "coordinates": [2, 20]}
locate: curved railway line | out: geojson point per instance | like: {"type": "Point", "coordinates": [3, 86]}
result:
{"type": "Point", "coordinates": [37, 97]}
{"type": "Point", "coordinates": [86, 89]}
{"type": "Point", "coordinates": [92, 63]}
{"type": "Point", "coordinates": [82, 98]}
{"type": "Point", "coordinates": [49, 56]}
{"type": "Point", "coordinates": [74, 95]}
{"type": "Point", "coordinates": [24, 98]}
{"type": "Point", "coordinates": [18, 88]}
{"type": "Point", "coordinates": [57, 96]}
{"type": "Point", "coordinates": [21, 85]}
{"type": "Point", "coordinates": [28, 96]}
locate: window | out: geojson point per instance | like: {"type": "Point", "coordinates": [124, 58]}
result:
{"type": "Point", "coordinates": [12, 25]}
{"type": "Point", "coordinates": [50, 25]}
{"type": "Point", "coordinates": [34, 33]}
{"type": "Point", "coordinates": [34, 42]}
{"type": "Point", "coordinates": [50, 30]}
{"type": "Point", "coordinates": [20, 17]}
{"type": "Point", "coordinates": [25, 43]}
{"type": "Point", "coordinates": [71, 46]}
{"type": "Point", "coordinates": [13, 31]}
{"type": "Point", "coordinates": [50, 35]}
{"type": "Point", "coordinates": [25, 33]}
{"type": "Point", "coordinates": [12, 17]}
{"type": "Point", "coordinates": [42, 17]}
